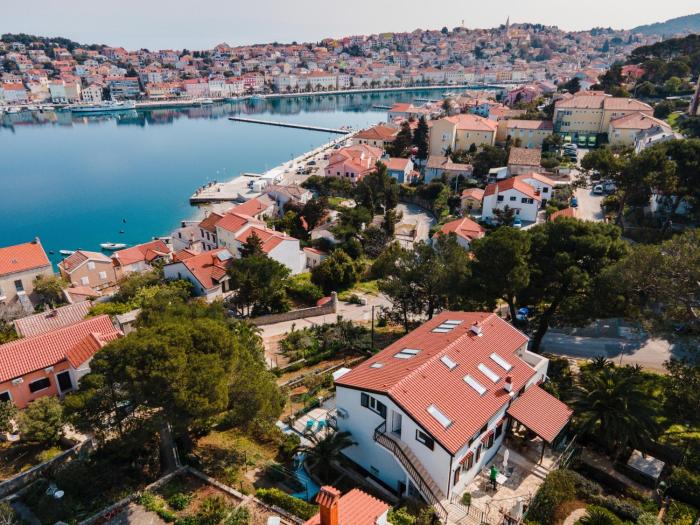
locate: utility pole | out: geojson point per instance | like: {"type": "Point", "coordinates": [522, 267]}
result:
{"type": "Point", "coordinates": [372, 327]}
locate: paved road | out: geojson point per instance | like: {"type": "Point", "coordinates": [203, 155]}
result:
{"type": "Point", "coordinates": [648, 353]}
{"type": "Point", "coordinates": [589, 205]}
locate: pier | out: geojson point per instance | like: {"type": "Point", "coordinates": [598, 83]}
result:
{"type": "Point", "coordinates": [337, 131]}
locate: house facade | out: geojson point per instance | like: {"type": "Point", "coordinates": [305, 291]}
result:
{"type": "Point", "coordinates": [460, 132]}
{"type": "Point", "coordinates": [379, 136]}
{"type": "Point", "coordinates": [20, 265]}
{"type": "Point", "coordinates": [140, 258]}
{"type": "Point", "coordinates": [353, 162]}
{"type": "Point", "coordinates": [91, 269]}
{"type": "Point", "coordinates": [590, 112]}
{"type": "Point", "coordinates": [51, 363]}
{"type": "Point", "coordinates": [207, 271]}
{"type": "Point", "coordinates": [400, 169]}
{"type": "Point", "coordinates": [513, 193]}
{"type": "Point", "coordinates": [428, 412]}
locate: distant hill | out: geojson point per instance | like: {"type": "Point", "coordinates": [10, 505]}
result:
{"type": "Point", "coordinates": [675, 26]}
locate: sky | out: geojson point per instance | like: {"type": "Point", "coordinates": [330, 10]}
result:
{"type": "Point", "coordinates": [201, 24]}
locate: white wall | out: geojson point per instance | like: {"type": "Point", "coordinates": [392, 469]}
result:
{"type": "Point", "coordinates": [289, 253]}
{"type": "Point", "coordinates": [526, 212]}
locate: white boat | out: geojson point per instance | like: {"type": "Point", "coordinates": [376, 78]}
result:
{"type": "Point", "coordinates": [13, 109]}
{"type": "Point", "coordinates": [103, 107]}
{"type": "Point", "coordinates": [66, 252]}
{"type": "Point", "coordinates": [206, 101]}
{"type": "Point", "coordinates": [111, 246]}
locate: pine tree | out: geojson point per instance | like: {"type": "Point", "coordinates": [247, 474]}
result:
{"type": "Point", "coordinates": [252, 246]}
{"type": "Point", "coordinates": [420, 139]}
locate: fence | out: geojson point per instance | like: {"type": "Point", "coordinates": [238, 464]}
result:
{"type": "Point", "coordinates": [20, 481]}
{"type": "Point", "coordinates": [329, 308]}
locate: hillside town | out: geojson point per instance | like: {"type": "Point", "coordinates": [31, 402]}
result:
{"type": "Point", "coordinates": [481, 309]}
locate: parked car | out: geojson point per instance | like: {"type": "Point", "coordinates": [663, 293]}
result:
{"type": "Point", "coordinates": [609, 187]}
{"type": "Point", "coordinates": [574, 202]}
{"type": "Point", "coordinates": [595, 175]}
{"type": "Point", "coordinates": [598, 189]}
{"type": "Point", "coordinates": [517, 223]}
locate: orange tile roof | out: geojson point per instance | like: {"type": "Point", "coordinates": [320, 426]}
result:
{"type": "Point", "coordinates": [566, 212]}
{"type": "Point", "coordinates": [269, 238]}
{"type": "Point", "coordinates": [210, 221]}
{"type": "Point", "coordinates": [74, 260]}
{"type": "Point", "coordinates": [541, 125]}
{"type": "Point", "coordinates": [207, 268]}
{"type": "Point", "coordinates": [233, 222]}
{"type": "Point", "coordinates": [541, 412]}
{"type": "Point", "coordinates": [396, 164]}
{"type": "Point", "coordinates": [513, 183]}
{"type": "Point", "coordinates": [145, 252]}
{"type": "Point", "coordinates": [354, 508]}
{"type": "Point", "coordinates": [22, 257]}
{"type": "Point", "coordinates": [470, 122]}
{"type": "Point", "coordinates": [638, 121]}
{"type": "Point", "coordinates": [251, 207]}
{"type": "Point", "coordinates": [52, 319]}
{"type": "Point", "coordinates": [464, 228]}
{"type": "Point", "coordinates": [378, 132]}
{"type": "Point", "coordinates": [424, 380]}
{"type": "Point", "coordinates": [474, 193]}
{"type": "Point", "coordinates": [23, 356]}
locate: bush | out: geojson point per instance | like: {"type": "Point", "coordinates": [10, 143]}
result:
{"type": "Point", "coordinates": [212, 510]}
{"type": "Point", "coordinates": [466, 499]}
{"type": "Point", "coordinates": [154, 503]}
{"type": "Point", "coordinates": [289, 503]}
{"type": "Point", "coordinates": [401, 516]}
{"type": "Point", "coordinates": [179, 500]}
{"type": "Point", "coordinates": [623, 509]}
{"type": "Point", "coordinates": [599, 516]}
{"type": "Point", "coordinates": [685, 486]}
{"type": "Point", "coordinates": [648, 518]}
{"type": "Point", "coordinates": [300, 288]}
{"type": "Point", "coordinates": [42, 421]}
{"type": "Point", "coordinates": [240, 516]}
{"type": "Point", "coordinates": [680, 514]}
{"type": "Point", "coordinates": [559, 487]}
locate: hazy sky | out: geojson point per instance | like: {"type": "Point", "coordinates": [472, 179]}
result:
{"type": "Point", "coordinates": [200, 24]}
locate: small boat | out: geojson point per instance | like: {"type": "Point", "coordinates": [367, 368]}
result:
{"type": "Point", "coordinates": [13, 109]}
{"type": "Point", "coordinates": [206, 101]}
{"type": "Point", "coordinates": [112, 246]}
{"type": "Point", "coordinates": [103, 107]}
{"type": "Point", "coordinates": [66, 252]}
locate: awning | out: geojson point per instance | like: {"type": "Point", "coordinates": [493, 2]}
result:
{"type": "Point", "coordinates": [466, 457]}
{"type": "Point", "coordinates": [540, 412]}
{"type": "Point", "coordinates": [486, 437]}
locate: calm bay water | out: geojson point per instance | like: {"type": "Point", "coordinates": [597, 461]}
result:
{"type": "Point", "coordinates": [73, 181]}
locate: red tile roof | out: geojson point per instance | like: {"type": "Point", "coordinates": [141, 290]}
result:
{"type": "Point", "coordinates": [233, 222]}
{"type": "Point", "coordinates": [541, 412]}
{"type": "Point", "coordinates": [80, 293]}
{"type": "Point", "coordinates": [52, 319]}
{"type": "Point", "coordinates": [470, 122]}
{"type": "Point", "coordinates": [566, 212]}
{"type": "Point", "coordinates": [270, 238]}
{"type": "Point", "coordinates": [464, 228]}
{"type": "Point", "coordinates": [424, 380]}
{"type": "Point", "coordinates": [513, 183]}
{"type": "Point", "coordinates": [525, 156]}
{"type": "Point", "coordinates": [396, 164]}
{"type": "Point", "coordinates": [251, 207]}
{"type": "Point", "coordinates": [208, 268]}
{"type": "Point", "coordinates": [474, 193]}
{"type": "Point", "coordinates": [23, 356]}
{"type": "Point", "coordinates": [210, 221]}
{"type": "Point", "coordinates": [378, 132]}
{"type": "Point", "coordinates": [539, 125]}
{"type": "Point", "coordinates": [73, 261]}
{"type": "Point", "coordinates": [146, 252]}
{"type": "Point", "coordinates": [22, 257]}
{"type": "Point", "coordinates": [354, 508]}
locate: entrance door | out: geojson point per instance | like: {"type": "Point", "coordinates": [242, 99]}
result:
{"type": "Point", "coordinates": [64, 382]}
{"type": "Point", "coordinates": [396, 423]}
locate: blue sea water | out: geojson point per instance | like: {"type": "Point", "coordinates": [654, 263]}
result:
{"type": "Point", "coordinates": [76, 182]}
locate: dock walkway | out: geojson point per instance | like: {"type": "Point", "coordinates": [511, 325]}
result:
{"type": "Point", "coordinates": [290, 125]}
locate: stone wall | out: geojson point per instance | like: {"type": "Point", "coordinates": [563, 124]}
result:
{"type": "Point", "coordinates": [329, 308]}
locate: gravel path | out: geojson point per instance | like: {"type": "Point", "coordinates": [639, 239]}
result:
{"type": "Point", "coordinates": [574, 516]}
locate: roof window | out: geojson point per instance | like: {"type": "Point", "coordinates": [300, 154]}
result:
{"type": "Point", "coordinates": [505, 365]}
{"type": "Point", "coordinates": [478, 387]}
{"type": "Point", "coordinates": [376, 365]}
{"type": "Point", "coordinates": [449, 363]}
{"type": "Point", "coordinates": [407, 353]}
{"type": "Point", "coordinates": [441, 418]}
{"type": "Point", "coordinates": [493, 376]}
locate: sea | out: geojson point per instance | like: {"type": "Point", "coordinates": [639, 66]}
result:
{"type": "Point", "coordinates": [79, 181]}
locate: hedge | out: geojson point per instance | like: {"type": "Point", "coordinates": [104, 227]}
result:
{"type": "Point", "coordinates": [289, 503]}
{"type": "Point", "coordinates": [685, 486]}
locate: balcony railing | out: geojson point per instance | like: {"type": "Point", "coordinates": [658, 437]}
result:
{"type": "Point", "coordinates": [381, 437]}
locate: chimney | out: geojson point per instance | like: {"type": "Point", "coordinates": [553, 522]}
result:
{"type": "Point", "coordinates": [508, 385]}
{"type": "Point", "coordinates": [476, 328]}
{"type": "Point", "coordinates": [327, 500]}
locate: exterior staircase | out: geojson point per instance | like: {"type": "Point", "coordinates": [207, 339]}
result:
{"type": "Point", "coordinates": [26, 304]}
{"type": "Point", "coordinates": [423, 481]}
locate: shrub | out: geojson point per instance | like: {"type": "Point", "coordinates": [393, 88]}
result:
{"type": "Point", "coordinates": [300, 288]}
{"type": "Point", "coordinates": [401, 516]}
{"type": "Point", "coordinates": [680, 514]}
{"type": "Point", "coordinates": [154, 503]}
{"type": "Point", "coordinates": [212, 510]}
{"type": "Point", "coordinates": [624, 509]}
{"type": "Point", "coordinates": [648, 518]}
{"type": "Point", "coordinates": [466, 499]}
{"type": "Point", "coordinates": [179, 500]}
{"type": "Point", "coordinates": [599, 516]}
{"type": "Point", "coordinates": [240, 516]}
{"type": "Point", "coordinates": [557, 488]}
{"type": "Point", "coordinates": [685, 486]}
{"type": "Point", "coordinates": [289, 503]}
{"type": "Point", "coordinates": [42, 421]}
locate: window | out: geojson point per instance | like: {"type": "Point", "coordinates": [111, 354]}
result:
{"type": "Point", "coordinates": [91, 265]}
{"type": "Point", "coordinates": [523, 200]}
{"type": "Point", "coordinates": [424, 438]}
{"type": "Point", "coordinates": [449, 363]}
{"type": "Point", "coordinates": [5, 396]}
{"type": "Point", "coordinates": [370, 402]}
{"type": "Point", "coordinates": [545, 190]}
{"type": "Point", "coordinates": [407, 353]}
{"type": "Point", "coordinates": [84, 281]}
{"type": "Point", "coordinates": [19, 286]}
{"type": "Point", "coordinates": [499, 198]}
{"type": "Point", "coordinates": [103, 275]}
{"type": "Point", "coordinates": [493, 376]}
{"type": "Point", "coordinates": [478, 452]}
{"type": "Point", "coordinates": [39, 384]}
{"type": "Point", "coordinates": [469, 463]}
{"type": "Point", "coordinates": [499, 430]}
{"type": "Point", "coordinates": [489, 443]}
{"type": "Point", "coordinates": [439, 416]}
{"type": "Point", "coordinates": [513, 198]}
{"type": "Point", "coordinates": [456, 478]}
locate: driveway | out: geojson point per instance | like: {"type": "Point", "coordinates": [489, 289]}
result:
{"type": "Point", "coordinates": [589, 205]}
{"type": "Point", "coordinates": [413, 214]}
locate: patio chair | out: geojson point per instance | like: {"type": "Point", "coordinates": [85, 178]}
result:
{"type": "Point", "coordinates": [321, 425]}
{"type": "Point", "coordinates": [309, 425]}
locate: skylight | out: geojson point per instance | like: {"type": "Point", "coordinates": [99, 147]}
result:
{"type": "Point", "coordinates": [505, 365]}
{"type": "Point", "coordinates": [480, 389]}
{"type": "Point", "coordinates": [407, 353]}
{"type": "Point", "coordinates": [440, 330]}
{"type": "Point", "coordinates": [449, 363]}
{"type": "Point", "coordinates": [441, 418]}
{"type": "Point", "coordinates": [493, 376]}
{"type": "Point", "coordinates": [453, 322]}
{"type": "Point", "coordinates": [224, 255]}
{"type": "Point", "coordinates": [376, 365]}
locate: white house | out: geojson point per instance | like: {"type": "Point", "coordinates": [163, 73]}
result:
{"type": "Point", "coordinates": [514, 193]}
{"type": "Point", "coordinates": [544, 186]}
{"type": "Point", "coordinates": [429, 411]}
{"type": "Point", "coordinates": [207, 271]}
{"type": "Point", "coordinates": [465, 230]}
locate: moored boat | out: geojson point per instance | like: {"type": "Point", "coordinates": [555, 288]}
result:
{"type": "Point", "coordinates": [111, 246]}
{"type": "Point", "coordinates": [103, 107]}
{"type": "Point", "coordinates": [66, 252]}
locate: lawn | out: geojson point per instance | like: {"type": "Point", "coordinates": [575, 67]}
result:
{"type": "Point", "coordinates": [18, 457]}
{"type": "Point", "coordinates": [364, 287]}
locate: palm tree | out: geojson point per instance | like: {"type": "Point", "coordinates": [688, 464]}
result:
{"type": "Point", "coordinates": [325, 449]}
{"type": "Point", "coordinates": [612, 407]}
